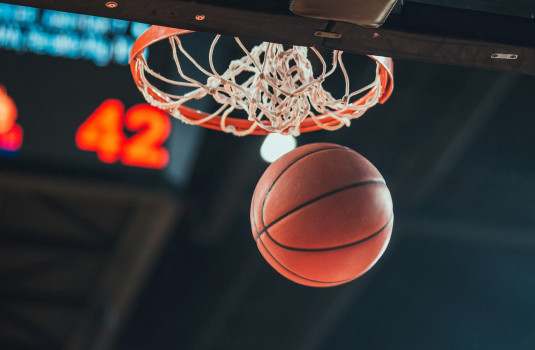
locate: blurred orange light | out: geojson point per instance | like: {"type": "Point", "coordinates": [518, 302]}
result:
{"type": "Point", "coordinates": [102, 132]}
{"type": "Point", "coordinates": [11, 134]}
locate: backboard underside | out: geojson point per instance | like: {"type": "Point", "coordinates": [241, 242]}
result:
{"type": "Point", "coordinates": [485, 34]}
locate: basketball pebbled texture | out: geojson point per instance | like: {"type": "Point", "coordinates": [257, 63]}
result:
{"type": "Point", "coordinates": [321, 215]}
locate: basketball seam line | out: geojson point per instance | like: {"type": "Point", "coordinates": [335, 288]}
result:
{"type": "Point", "coordinates": [334, 147]}
{"type": "Point", "coordinates": [257, 238]}
{"type": "Point", "coordinates": [299, 207]}
{"type": "Point", "coordinates": [298, 275]}
{"type": "Point", "coordinates": [331, 248]}
{"type": "Point", "coordinates": [284, 267]}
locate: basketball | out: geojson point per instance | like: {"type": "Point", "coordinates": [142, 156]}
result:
{"type": "Point", "coordinates": [321, 215]}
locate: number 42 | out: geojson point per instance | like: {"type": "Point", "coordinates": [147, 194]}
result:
{"type": "Point", "coordinates": [103, 133]}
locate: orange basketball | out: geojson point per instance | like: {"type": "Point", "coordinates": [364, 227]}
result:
{"type": "Point", "coordinates": [321, 215]}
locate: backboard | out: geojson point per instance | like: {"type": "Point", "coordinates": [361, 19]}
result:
{"type": "Point", "coordinates": [481, 33]}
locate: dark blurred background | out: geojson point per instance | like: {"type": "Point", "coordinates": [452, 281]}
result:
{"type": "Point", "coordinates": [112, 256]}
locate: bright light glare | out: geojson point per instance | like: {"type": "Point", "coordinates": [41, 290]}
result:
{"type": "Point", "coordinates": [276, 145]}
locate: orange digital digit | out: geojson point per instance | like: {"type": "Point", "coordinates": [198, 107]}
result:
{"type": "Point", "coordinates": [11, 133]}
{"type": "Point", "coordinates": [152, 127]}
{"type": "Point", "coordinates": [102, 132]}
{"type": "Point", "coordinates": [11, 140]}
{"type": "Point", "coordinates": [8, 111]}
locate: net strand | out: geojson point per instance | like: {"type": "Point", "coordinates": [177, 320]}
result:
{"type": "Point", "coordinates": [280, 93]}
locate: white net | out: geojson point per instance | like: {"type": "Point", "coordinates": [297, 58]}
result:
{"type": "Point", "coordinates": [276, 87]}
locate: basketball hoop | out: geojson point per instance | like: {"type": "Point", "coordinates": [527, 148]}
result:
{"type": "Point", "coordinates": [280, 94]}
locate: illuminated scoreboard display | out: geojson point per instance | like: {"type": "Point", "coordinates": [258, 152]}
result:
{"type": "Point", "coordinates": [67, 99]}
{"type": "Point", "coordinates": [97, 39]}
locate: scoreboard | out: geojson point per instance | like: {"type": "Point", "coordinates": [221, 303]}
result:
{"type": "Point", "coordinates": [74, 109]}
